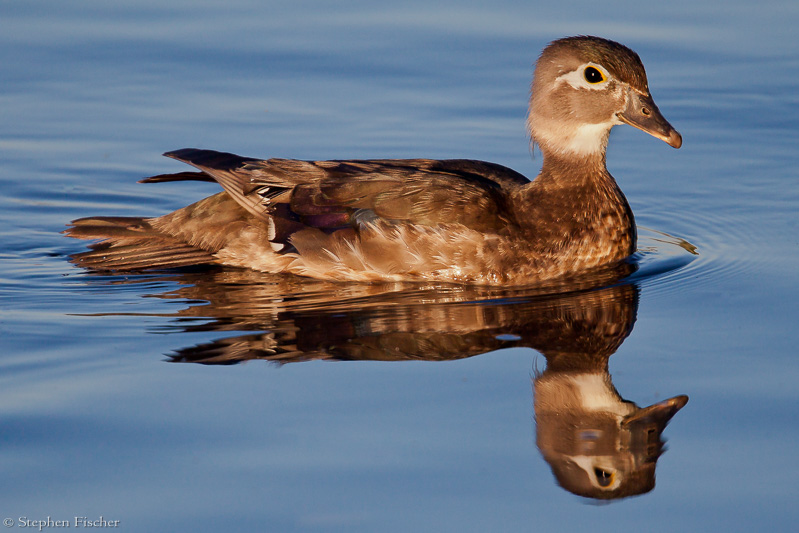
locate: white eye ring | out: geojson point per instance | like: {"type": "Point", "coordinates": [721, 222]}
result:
{"type": "Point", "coordinates": [576, 78]}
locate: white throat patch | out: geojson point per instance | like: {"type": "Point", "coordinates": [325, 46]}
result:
{"type": "Point", "coordinates": [596, 394]}
{"type": "Point", "coordinates": [584, 140]}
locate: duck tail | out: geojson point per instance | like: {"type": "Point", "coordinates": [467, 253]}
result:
{"type": "Point", "coordinates": [132, 243]}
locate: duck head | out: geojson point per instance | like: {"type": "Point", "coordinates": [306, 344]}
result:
{"type": "Point", "coordinates": [598, 444]}
{"type": "Point", "coordinates": [582, 87]}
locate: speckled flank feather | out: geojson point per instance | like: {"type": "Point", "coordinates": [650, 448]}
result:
{"type": "Point", "coordinates": [415, 219]}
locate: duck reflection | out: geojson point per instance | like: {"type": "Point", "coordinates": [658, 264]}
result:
{"type": "Point", "coordinates": [597, 444]}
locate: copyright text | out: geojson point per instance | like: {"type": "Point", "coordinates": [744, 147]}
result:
{"type": "Point", "coordinates": [49, 522]}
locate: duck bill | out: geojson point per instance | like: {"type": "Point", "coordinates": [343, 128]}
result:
{"type": "Point", "coordinates": [659, 413]}
{"type": "Point", "coordinates": [642, 113]}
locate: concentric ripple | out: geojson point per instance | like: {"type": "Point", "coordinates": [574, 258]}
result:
{"type": "Point", "coordinates": [700, 248]}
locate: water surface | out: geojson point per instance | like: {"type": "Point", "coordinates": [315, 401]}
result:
{"type": "Point", "coordinates": [219, 398]}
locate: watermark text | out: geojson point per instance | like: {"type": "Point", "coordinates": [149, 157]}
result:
{"type": "Point", "coordinates": [40, 524]}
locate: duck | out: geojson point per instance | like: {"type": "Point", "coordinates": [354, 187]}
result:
{"type": "Point", "coordinates": [598, 444]}
{"type": "Point", "coordinates": [456, 220]}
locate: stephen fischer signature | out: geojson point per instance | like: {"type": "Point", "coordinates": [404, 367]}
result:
{"type": "Point", "coordinates": [49, 522]}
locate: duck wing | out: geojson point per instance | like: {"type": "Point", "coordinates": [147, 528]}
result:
{"type": "Point", "coordinates": [336, 194]}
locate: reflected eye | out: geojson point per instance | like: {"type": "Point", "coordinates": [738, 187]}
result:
{"type": "Point", "coordinates": [604, 477]}
{"type": "Point", "coordinates": [593, 75]}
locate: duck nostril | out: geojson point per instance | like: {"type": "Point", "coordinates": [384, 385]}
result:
{"type": "Point", "coordinates": [645, 111]}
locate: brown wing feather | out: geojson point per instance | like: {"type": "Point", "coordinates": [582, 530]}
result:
{"type": "Point", "coordinates": [327, 194]}
{"type": "Point", "coordinates": [178, 176]}
{"type": "Point", "coordinates": [130, 243]}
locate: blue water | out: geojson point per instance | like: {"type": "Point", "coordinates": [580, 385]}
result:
{"type": "Point", "coordinates": [102, 411]}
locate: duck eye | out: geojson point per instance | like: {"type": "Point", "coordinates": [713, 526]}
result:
{"type": "Point", "coordinates": [593, 75]}
{"type": "Point", "coordinates": [604, 477]}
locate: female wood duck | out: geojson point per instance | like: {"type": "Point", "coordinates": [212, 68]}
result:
{"type": "Point", "coordinates": [417, 219]}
